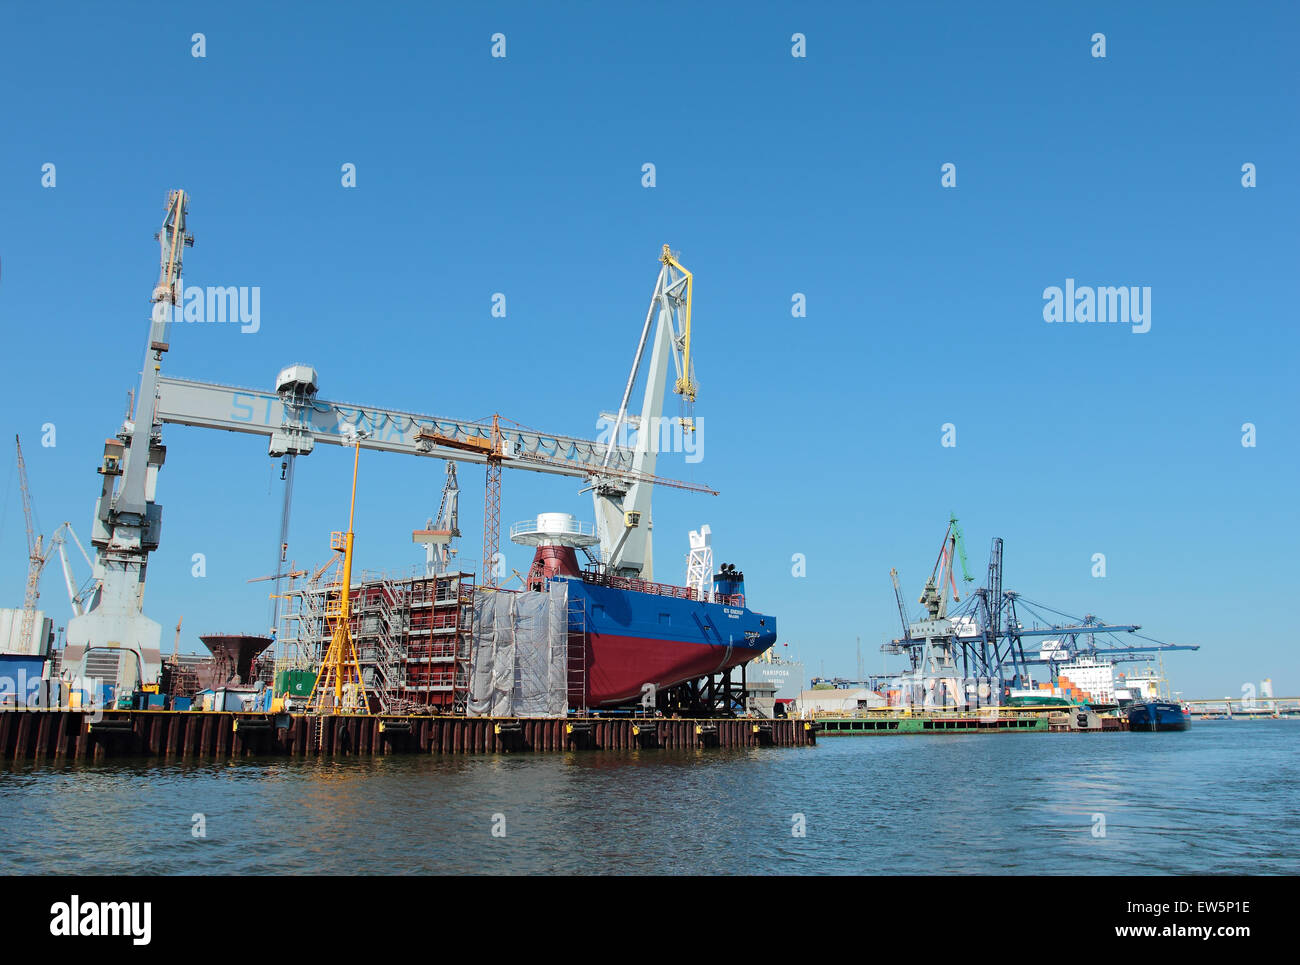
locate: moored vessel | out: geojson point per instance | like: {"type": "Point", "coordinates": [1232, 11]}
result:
{"type": "Point", "coordinates": [1157, 715]}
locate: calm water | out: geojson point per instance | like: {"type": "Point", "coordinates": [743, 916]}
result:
{"type": "Point", "coordinates": [1221, 798]}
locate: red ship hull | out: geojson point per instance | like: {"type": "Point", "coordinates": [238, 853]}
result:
{"type": "Point", "coordinates": [618, 667]}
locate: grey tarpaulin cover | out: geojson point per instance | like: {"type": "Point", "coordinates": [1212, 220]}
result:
{"type": "Point", "coordinates": [519, 666]}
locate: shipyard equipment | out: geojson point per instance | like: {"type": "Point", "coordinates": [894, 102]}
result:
{"type": "Point", "coordinates": [989, 637]}
{"type": "Point", "coordinates": [623, 502]}
{"type": "Point", "coordinates": [439, 536]}
{"type": "Point", "coordinates": [699, 562]}
{"type": "Point", "coordinates": [128, 522]}
{"type": "Point", "coordinates": [293, 419]}
{"type": "Point", "coordinates": [339, 687]}
{"type": "Point", "coordinates": [37, 556]}
{"type": "Point", "coordinates": [39, 553]}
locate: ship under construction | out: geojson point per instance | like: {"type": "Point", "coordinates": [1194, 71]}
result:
{"type": "Point", "coordinates": [589, 629]}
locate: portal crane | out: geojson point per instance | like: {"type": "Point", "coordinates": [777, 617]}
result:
{"type": "Point", "coordinates": [934, 596]}
{"type": "Point", "coordinates": [902, 609]}
{"type": "Point", "coordinates": [36, 555]}
{"type": "Point", "coordinates": [623, 520]}
{"type": "Point", "coordinates": [77, 596]}
{"type": "Point", "coordinates": [441, 532]}
{"type": "Point", "coordinates": [128, 522]}
{"type": "Point", "coordinates": [988, 635]}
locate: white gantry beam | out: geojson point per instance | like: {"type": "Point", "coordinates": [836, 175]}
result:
{"type": "Point", "coordinates": [295, 424]}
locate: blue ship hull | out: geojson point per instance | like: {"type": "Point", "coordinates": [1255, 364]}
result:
{"type": "Point", "coordinates": [1157, 715]}
{"type": "Point", "coordinates": [658, 635]}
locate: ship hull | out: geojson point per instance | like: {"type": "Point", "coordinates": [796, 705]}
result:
{"type": "Point", "coordinates": [1157, 715]}
{"type": "Point", "coordinates": [631, 639]}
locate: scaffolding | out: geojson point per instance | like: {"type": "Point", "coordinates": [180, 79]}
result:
{"type": "Point", "coordinates": [413, 634]}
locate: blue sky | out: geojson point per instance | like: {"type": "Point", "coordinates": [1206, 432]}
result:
{"type": "Point", "coordinates": [775, 175]}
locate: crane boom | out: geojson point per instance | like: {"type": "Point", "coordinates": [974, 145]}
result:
{"type": "Point", "coordinates": [35, 554]}
{"type": "Point", "coordinates": [128, 522]}
{"type": "Point", "coordinates": [960, 543]}
{"type": "Point", "coordinates": [902, 609]}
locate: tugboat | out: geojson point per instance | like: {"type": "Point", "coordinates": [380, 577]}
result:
{"type": "Point", "coordinates": [1154, 715]}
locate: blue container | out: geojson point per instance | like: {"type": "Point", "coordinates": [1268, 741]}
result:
{"type": "Point", "coordinates": [181, 703]}
{"type": "Point", "coordinates": [155, 701]}
{"type": "Point", "coordinates": [20, 678]}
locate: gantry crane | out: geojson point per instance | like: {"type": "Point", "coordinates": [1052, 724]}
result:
{"type": "Point", "coordinates": [293, 419]}
{"type": "Point", "coordinates": [988, 636]}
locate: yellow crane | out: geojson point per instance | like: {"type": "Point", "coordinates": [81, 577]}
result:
{"type": "Point", "coordinates": [339, 687]}
{"type": "Point", "coordinates": [686, 385]}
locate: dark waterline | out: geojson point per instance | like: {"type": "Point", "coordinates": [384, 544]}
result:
{"type": "Point", "coordinates": [1222, 798]}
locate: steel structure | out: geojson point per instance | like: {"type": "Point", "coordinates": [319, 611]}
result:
{"type": "Point", "coordinates": [128, 522]}
{"type": "Point", "coordinates": [339, 687]}
{"type": "Point", "coordinates": [127, 525]}
{"type": "Point", "coordinates": [37, 553]}
{"type": "Point", "coordinates": [699, 562]}
{"type": "Point", "coordinates": [623, 519]}
{"type": "Point", "coordinates": [439, 535]}
{"type": "Point", "coordinates": [988, 638]}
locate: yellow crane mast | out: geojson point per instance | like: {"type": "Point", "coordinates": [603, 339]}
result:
{"type": "Point", "coordinates": [339, 688]}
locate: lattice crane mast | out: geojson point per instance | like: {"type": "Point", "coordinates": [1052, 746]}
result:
{"type": "Point", "coordinates": [36, 556]}
{"type": "Point", "coordinates": [339, 686]}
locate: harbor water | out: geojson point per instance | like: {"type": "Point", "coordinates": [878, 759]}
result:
{"type": "Point", "coordinates": [1221, 798]}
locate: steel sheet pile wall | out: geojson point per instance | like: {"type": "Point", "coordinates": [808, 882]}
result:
{"type": "Point", "coordinates": [27, 735]}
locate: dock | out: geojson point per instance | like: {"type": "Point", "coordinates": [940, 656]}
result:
{"type": "Point", "coordinates": [78, 735]}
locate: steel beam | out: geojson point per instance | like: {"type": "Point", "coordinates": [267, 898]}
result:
{"type": "Point", "coordinates": [258, 412]}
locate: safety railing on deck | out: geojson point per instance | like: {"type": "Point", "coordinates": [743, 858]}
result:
{"type": "Point", "coordinates": [598, 577]}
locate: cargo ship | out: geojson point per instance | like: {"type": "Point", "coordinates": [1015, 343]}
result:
{"type": "Point", "coordinates": [631, 633]}
{"type": "Point", "coordinates": [1157, 715]}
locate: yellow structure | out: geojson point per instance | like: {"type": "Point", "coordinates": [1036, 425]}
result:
{"type": "Point", "coordinates": [686, 385]}
{"type": "Point", "coordinates": [339, 688]}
